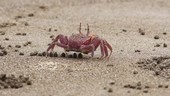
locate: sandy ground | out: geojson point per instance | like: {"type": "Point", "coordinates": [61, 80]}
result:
{"type": "Point", "coordinates": [89, 76]}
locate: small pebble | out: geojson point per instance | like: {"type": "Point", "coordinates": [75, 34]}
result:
{"type": "Point", "coordinates": [43, 53]}
{"type": "Point", "coordinates": [2, 33]}
{"type": "Point", "coordinates": [33, 53]}
{"type": "Point", "coordinates": [157, 72]}
{"type": "Point", "coordinates": [135, 72]}
{"type": "Point", "coordinates": [24, 34]}
{"type": "Point", "coordinates": [21, 53]}
{"type": "Point", "coordinates": [166, 86]}
{"type": "Point", "coordinates": [55, 54]}
{"type": "Point", "coordinates": [137, 50]}
{"type": "Point", "coordinates": [145, 91]}
{"type": "Point", "coordinates": [63, 55]}
{"type": "Point", "coordinates": [51, 54]}
{"type": "Point", "coordinates": [49, 29]}
{"type": "Point", "coordinates": [18, 34]}
{"type": "Point", "coordinates": [1, 54]}
{"type": "Point", "coordinates": [15, 50]}
{"type": "Point", "coordinates": [164, 45]}
{"type": "Point", "coordinates": [18, 46]}
{"type": "Point", "coordinates": [51, 36]}
{"type": "Point", "coordinates": [4, 52]}
{"type": "Point", "coordinates": [110, 90]}
{"type": "Point", "coordinates": [29, 83]}
{"type": "Point", "coordinates": [70, 56]}
{"type": "Point", "coordinates": [124, 30]}
{"type": "Point", "coordinates": [160, 86]}
{"type": "Point", "coordinates": [42, 7]}
{"type": "Point", "coordinates": [147, 87]}
{"type": "Point", "coordinates": [26, 24]}
{"type": "Point", "coordinates": [9, 46]}
{"type": "Point", "coordinates": [141, 31]}
{"type": "Point", "coordinates": [156, 37]}
{"type": "Point", "coordinates": [157, 45]}
{"type": "Point", "coordinates": [6, 39]}
{"type": "Point", "coordinates": [31, 15]}
{"type": "Point", "coordinates": [112, 83]}
{"type": "Point", "coordinates": [164, 33]}
{"type": "Point", "coordinates": [139, 84]}
{"type": "Point", "coordinates": [139, 88]}
{"type": "Point", "coordinates": [39, 54]}
{"type": "Point", "coordinates": [80, 55]}
{"type": "Point", "coordinates": [74, 55]}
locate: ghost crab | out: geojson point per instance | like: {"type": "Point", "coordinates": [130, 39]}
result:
{"type": "Point", "coordinates": [83, 43]}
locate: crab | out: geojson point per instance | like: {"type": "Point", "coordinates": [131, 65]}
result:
{"type": "Point", "coordinates": [83, 43]}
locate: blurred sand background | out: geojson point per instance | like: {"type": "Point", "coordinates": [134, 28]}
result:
{"type": "Point", "coordinates": [88, 76]}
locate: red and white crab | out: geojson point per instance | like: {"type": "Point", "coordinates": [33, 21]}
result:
{"type": "Point", "coordinates": [83, 43]}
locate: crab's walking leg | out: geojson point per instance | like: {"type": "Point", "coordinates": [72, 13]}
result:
{"type": "Point", "coordinates": [106, 44]}
{"type": "Point", "coordinates": [80, 29]}
{"type": "Point", "coordinates": [63, 42]}
{"type": "Point", "coordinates": [102, 48]}
{"type": "Point", "coordinates": [88, 47]}
{"type": "Point", "coordinates": [88, 31]}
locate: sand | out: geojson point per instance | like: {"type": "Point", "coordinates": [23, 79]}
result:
{"type": "Point", "coordinates": [117, 21]}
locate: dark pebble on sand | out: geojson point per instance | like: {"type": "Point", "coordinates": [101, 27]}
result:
{"type": "Point", "coordinates": [110, 90]}
{"type": "Point", "coordinates": [31, 15]}
{"type": "Point", "coordinates": [157, 45]}
{"type": "Point", "coordinates": [55, 54]}
{"type": "Point", "coordinates": [70, 56]}
{"type": "Point", "coordinates": [139, 88]}
{"type": "Point", "coordinates": [157, 73]}
{"type": "Point", "coordinates": [164, 33]}
{"type": "Point", "coordinates": [145, 91]}
{"type": "Point", "coordinates": [29, 83]}
{"type": "Point", "coordinates": [137, 50]}
{"type": "Point", "coordinates": [2, 77]}
{"type": "Point", "coordinates": [141, 31]}
{"type": "Point", "coordinates": [15, 50]}
{"type": "Point", "coordinates": [21, 53]}
{"type": "Point", "coordinates": [160, 86]}
{"type": "Point", "coordinates": [39, 54]}
{"type": "Point", "coordinates": [1, 54]}
{"type": "Point", "coordinates": [18, 34]}
{"type": "Point", "coordinates": [24, 34]}
{"type": "Point", "coordinates": [156, 37]}
{"type": "Point", "coordinates": [139, 84]}
{"type": "Point", "coordinates": [18, 46]}
{"type": "Point", "coordinates": [63, 55]}
{"type": "Point", "coordinates": [74, 55]}
{"type": "Point", "coordinates": [80, 55]}
{"type": "Point", "coordinates": [4, 52]}
{"type": "Point", "coordinates": [51, 54]}
{"type": "Point", "coordinates": [2, 33]}
{"type": "Point", "coordinates": [112, 83]}
{"type": "Point", "coordinates": [164, 45]}
{"type": "Point", "coordinates": [33, 53]}
{"type": "Point", "coordinates": [9, 46]}
{"type": "Point", "coordinates": [135, 72]}
{"type": "Point", "coordinates": [147, 87]}
{"type": "Point", "coordinates": [6, 39]}
{"type": "Point", "coordinates": [124, 30]}
{"type": "Point", "coordinates": [166, 86]}
{"type": "Point", "coordinates": [44, 53]}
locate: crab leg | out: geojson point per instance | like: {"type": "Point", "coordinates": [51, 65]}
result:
{"type": "Point", "coordinates": [87, 48]}
{"type": "Point", "coordinates": [108, 46]}
{"type": "Point", "coordinates": [63, 42]}
{"type": "Point", "coordinates": [80, 29]}
{"type": "Point", "coordinates": [102, 48]}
